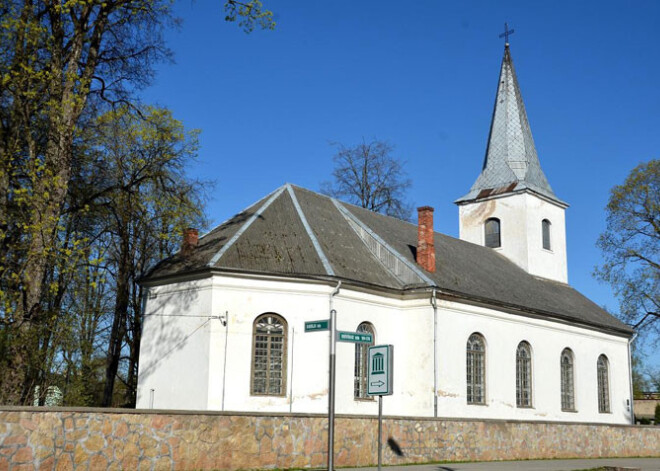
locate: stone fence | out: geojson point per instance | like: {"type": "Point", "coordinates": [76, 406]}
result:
{"type": "Point", "coordinates": [100, 439]}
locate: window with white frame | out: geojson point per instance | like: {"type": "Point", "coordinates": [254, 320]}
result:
{"type": "Point", "coordinates": [269, 339]}
{"type": "Point", "coordinates": [361, 359]}
{"type": "Point", "coordinates": [567, 381]}
{"type": "Point", "coordinates": [524, 375]}
{"type": "Point", "coordinates": [475, 369]}
{"type": "Point", "coordinates": [603, 384]}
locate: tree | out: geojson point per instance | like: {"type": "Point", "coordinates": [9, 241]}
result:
{"type": "Point", "coordinates": [61, 65]}
{"type": "Point", "coordinates": [631, 247]}
{"type": "Point", "coordinates": [367, 175]}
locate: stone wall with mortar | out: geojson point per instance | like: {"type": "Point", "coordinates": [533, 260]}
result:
{"type": "Point", "coordinates": [63, 439]}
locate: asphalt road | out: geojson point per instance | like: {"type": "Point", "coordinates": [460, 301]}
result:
{"type": "Point", "coordinates": [643, 464]}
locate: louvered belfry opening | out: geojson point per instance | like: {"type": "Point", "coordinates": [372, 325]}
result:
{"type": "Point", "coordinates": [425, 244]}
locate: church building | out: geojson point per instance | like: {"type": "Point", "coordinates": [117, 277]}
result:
{"type": "Point", "coordinates": [485, 326]}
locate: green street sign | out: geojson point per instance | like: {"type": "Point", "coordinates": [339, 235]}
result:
{"type": "Point", "coordinates": [354, 337]}
{"type": "Point", "coordinates": [316, 326]}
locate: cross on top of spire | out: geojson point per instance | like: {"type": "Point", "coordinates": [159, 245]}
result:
{"type": "Point", "coordinates": [506, 34]}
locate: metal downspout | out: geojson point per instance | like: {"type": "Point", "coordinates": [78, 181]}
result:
{"type": "Point", "coordinates": [632, 392]}
{"type": "Point", "coordinates": [331, 388]}
{"type": "Point", "coordinates": [434, 303]}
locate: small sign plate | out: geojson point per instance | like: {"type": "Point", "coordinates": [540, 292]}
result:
{"type": "Point", "coordinates": [316, 326]}
{"type": "Point", "coordinates": [355, 337]}
{"type": "Point", "coordinates": [379, 377]}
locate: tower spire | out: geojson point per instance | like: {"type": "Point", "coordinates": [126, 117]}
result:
{"type": "Point", "coordinates": [511, 164]}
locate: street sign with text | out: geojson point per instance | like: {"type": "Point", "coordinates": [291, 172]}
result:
{"type": "Point", "coordinates": [315, 326]}
{"type": "Point", "coordinates": [379, 374]}
{"type": "Point", "coordinates": [355, 337]}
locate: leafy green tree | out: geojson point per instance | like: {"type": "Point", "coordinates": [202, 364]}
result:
{"type": "Point", "coordinates": [146, 202]}
{"type": "Point", "coordinates": [631, 248]}
{"type": "Point", "coordinates": [61, 64]}
{"type": "Point", "coordinates": [368, 176]}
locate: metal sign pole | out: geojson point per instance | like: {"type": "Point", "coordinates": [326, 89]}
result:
{"type": "Point", "coordinates": [331, 394]}
{"type": "Point", "coordinates": [380, 431]}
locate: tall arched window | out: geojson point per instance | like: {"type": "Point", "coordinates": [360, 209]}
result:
{"type": "Point", "coordinates": [603, 384]}
{"type": "Point", "coordinates": [492, 233]}
{"type": "Point", "coordinates": [567, 380]}
{"type": "Point", "coordinates": [524, 375]}
{"type": "Point", "coordinates": [475, 369]}
{"type": "Point", "coordinates": [545, 226]}
{"type": "Point", "coordinates": [269, 338]}
{"type": "Point", "coordinates": [361, 359]}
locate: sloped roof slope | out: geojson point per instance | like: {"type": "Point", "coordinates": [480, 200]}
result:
{"type": "Point", "coordinates": [299, 233]}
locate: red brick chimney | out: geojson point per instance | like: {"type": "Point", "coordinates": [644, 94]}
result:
{"type": "Point", "coordinates": [190, 239]}
{"type": "Point", "coordinates": [425, 245]}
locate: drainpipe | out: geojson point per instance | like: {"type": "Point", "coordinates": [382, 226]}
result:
{"type": "Point", "coordinates": [632, 401]}
{"type": "Point", "coordinates": [434, 303]}
{"type": "Point", "coordinates": [331, 388]}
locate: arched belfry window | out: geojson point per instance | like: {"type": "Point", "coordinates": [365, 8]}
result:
{"type": "Point", "coordinates": [567, 381]}
{"type": "Point", "coordinates": [603, 384]}
{"type": "Point", "coordinates": [492, 233]}
{"type": "Point", "coordinates": [545, 227]}
{"type": "Point", "coordinates": [476, 369]}
{"type": "Point", "coordinates": [524, 375]}
{"type": "Point", "coordinates": [361, 359]}
{"type": "Point", "coordinates": [269, 339]}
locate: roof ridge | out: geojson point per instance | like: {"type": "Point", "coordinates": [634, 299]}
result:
{"type": "Point", "coordinates": [274, 195]}
{"type": "Point", "coordinates": [310, 233]}
{"type": "Point", "coordinates": [352, 217]}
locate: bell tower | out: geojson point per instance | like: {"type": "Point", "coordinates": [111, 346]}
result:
{"type": "Point", "coordinates": [511, 206]}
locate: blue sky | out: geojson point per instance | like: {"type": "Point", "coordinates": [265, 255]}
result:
{"type": "Point", "coordinates": [421, 75]}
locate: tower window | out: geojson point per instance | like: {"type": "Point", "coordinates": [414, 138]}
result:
{"type": "Point", "coordinates": [492, 232]}
{"type": "Point", "coordinates": [545, 224]}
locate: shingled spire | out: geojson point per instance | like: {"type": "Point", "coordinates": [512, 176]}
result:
{"type": "Point", "coordinates": [511, 163]}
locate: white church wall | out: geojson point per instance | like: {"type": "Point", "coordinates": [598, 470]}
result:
{"type": "Point", "coordinates": [520, 218]}
{"type": "Point", "coordinates": [174, 351]}
{"type": "Point", "coordinates": [197, 376]}
{"type": "Point", "coordinates": [502, 333]}
{"type": "Point", "coordinates": [308, 353]}
{"type": "Point", "coordinates": [551, 263]}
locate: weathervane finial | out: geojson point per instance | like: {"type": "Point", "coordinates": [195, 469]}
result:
{"type": "Point", "coordinates": [506, 34]}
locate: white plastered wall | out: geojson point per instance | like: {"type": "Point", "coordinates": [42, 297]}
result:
{"type": "Point", "coordinates": [196, 375]}
{"type": "Point", "coordinates": [520, 218]}
{"type": "Point", "coordinates": [502, 333]}
{"type": "Point", "coordinates": [174, 351]}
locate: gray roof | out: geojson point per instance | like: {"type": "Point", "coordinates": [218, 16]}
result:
{"type": "Point", "coordinates": [511, 164]}
{"type": "Point", "coordinates": [294, 232]}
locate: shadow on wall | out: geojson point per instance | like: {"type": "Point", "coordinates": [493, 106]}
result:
{"type": "Point", "coordinates": [167, 333]}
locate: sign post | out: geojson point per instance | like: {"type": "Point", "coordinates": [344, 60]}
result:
{"type": "Point", "coordinates": [379, 383]}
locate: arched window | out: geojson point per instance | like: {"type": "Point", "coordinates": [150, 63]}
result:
{"type": "Point", "coordinates": [269, 337]}
{"type": "Point", "coordinates": [492, 233]}
{"type": "Point", "coordinates": [524, 375]}
{"type": "Point", "coordinates": [567, 382]}
{"type": "Point", "coordinates": [603, 384]}
{"type": "Point", "coordinates": [545, 226]}
{"type": "Point", "coordinates": [475, 369]}
{"type": "Point", "coordinates": [361, 359]}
